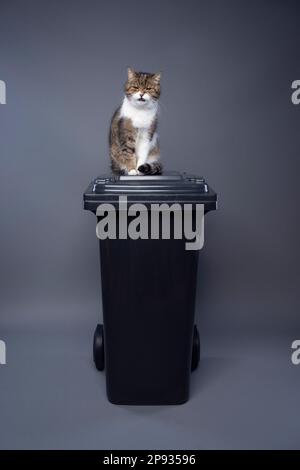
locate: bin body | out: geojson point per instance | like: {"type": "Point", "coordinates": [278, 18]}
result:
{"type": "Point", "coordinates": [148, 295]}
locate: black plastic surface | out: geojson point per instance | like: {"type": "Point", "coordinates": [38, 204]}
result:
{"type": "Point", "coordinates": [98, 347]}
{"type": "Point", "coordinates": [148, 296]}
{"type": "Point", "coordinates": [169, 187]}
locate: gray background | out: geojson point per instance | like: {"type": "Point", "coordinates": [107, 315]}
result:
{"type": "Point", "coordinates": [226, 113]}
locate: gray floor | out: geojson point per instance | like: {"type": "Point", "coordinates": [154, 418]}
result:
{"type": "Point", "coordinates": [244, 395]}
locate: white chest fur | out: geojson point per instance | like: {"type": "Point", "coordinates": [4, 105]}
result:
{"type": "Point", "coordinates": [141, 118]}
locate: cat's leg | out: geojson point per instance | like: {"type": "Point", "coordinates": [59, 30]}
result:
{"type": "Point", "coordinates": [152, 165]}
{"type": "Point", "coordinates": [123, 163]}
{"type": "Point", "coordinates": [128, 163]}
{"type": "Point", "coordinates": [143, 146]}
{"type": "Point", "coordinates": [127, 141]}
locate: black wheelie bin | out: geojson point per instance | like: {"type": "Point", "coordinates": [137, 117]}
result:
{"type": "Point", "coordinates": [148, 342]}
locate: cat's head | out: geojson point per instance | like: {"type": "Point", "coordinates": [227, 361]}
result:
{"type": "Point", "coordinates": [142, 89]}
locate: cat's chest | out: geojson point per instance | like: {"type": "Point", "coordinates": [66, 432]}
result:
{"type": "Point", "coordinates": [141, 119]}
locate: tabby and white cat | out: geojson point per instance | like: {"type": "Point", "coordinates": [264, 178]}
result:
{"type": "Point", "coordinates": [133, 137]}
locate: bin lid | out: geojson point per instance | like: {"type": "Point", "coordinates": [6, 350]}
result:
{"type": "Point", "coordinates": [168, 187]}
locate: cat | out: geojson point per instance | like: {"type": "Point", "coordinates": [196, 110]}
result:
{"type": "Point", "coordinates": [133, 140]}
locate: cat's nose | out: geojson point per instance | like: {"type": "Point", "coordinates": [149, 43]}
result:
{"type": "Point", "coordinates": [141, 97]}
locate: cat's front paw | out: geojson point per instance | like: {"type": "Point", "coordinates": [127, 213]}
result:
{"type": "Point", "coordinates": [132, 172]}
{"type": "Point", "coordinates": [144, 169]}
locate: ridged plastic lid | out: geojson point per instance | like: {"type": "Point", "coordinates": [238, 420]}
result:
{"type": "Point", "coordinates": [169, 182]}
{"type": "Point", "coordinates": [171, 186]}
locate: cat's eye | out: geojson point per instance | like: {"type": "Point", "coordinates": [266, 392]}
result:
{"type": "Point", "coordinates": [149, 88]}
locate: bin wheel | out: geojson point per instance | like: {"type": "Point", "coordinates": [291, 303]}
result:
{"type": "Point", "coordinates": [98, 347]}
{"type": "Point", "coordinates": [196, 349]}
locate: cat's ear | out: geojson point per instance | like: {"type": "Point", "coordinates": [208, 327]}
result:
{"type": "Point", "coordinates": [130, 73]}
{"type": "Point", "coordinates": [156, 77]}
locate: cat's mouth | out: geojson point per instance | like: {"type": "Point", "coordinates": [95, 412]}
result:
{"type": "Point", "coordinates": [141, 99]}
